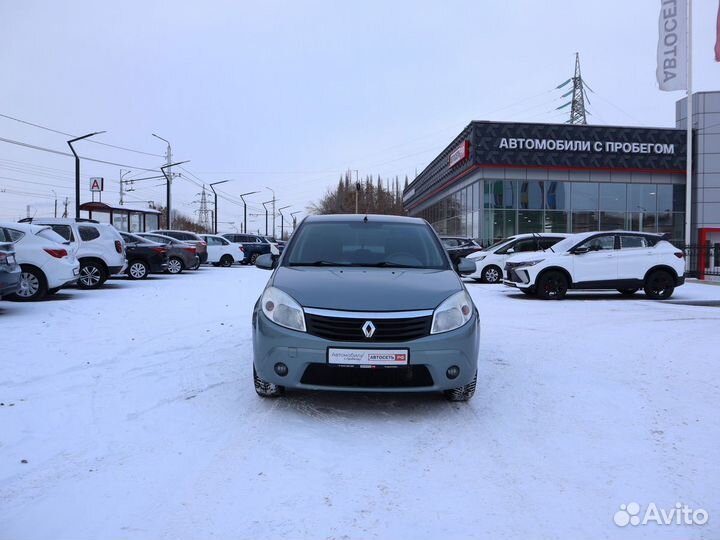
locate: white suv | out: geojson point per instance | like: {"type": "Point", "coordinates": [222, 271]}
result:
{"type": "Point", "coordinates": [45, 261]}
{"type": "Point", "coordinates": [623, 260]}
{"type": "Point", "coordinates": [490, 261]}
{"type": "Point", "coordinates": [98, 246]}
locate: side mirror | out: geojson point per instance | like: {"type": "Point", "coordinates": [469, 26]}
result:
{"type": "Point", "coordinates": [266, 262]}
{"type": "Point", "coordinates": [466, 267]}
{"type": "Point", "coordinates": [509, 251]}
{"type": "Point", "coordinates": [580, 250]}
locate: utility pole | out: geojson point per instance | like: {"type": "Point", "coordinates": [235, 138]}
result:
{"type": "Point", "coordinates": [55, 194]}
{"type": "Point", "coordinates": [282, 220]}
{"type": "Point", "coordinates": [168, 178]}
{"type": "Point", "coordinates": [245, 208]}
{"type": "Point", "coordinates": [215, 214]}
{"type": "Point", "coordinates": [294, 218]}
{"type": "Point", "coordinates": [357, 190]}
{"type": "Point", "coordinates": [273, 214]}
{"type": "Point", "coordinates": [122, 191]}
{"type": "Point", "coordinates": [77, 169]}
{"type": "Point", "coordinates": [66, 203]}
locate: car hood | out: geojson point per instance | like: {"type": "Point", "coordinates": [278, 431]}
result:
{"type": "Point", "coordinates": [367, 289]}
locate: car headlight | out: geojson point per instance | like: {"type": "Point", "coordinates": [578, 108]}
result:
{"type": "Point", "coordinates": [530, 263]}
{"type": "Point", "coordinates": [452, 313]}
{"type": "Point", "coordinates": [282, 309]}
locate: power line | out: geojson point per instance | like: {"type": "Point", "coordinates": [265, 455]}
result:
{"type": "Point", "coordinates": [26, 122]}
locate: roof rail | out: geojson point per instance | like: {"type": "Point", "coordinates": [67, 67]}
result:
{"type": "Point", "coordinates": [75, 220]}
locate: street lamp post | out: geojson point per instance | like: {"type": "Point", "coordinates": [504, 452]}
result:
{"type": "Point", "coordinates": [273, 215]}
{"type": "Point", "coordinates": [282, 220]}
{"type": "Point", "coordinates": [168, 178]}
{"type": "Point", "coordinates": [168, 164]}
{"type": "Point", "coordinates": [266, 215]}
{"type": "Point", "coordinates": [215, 215]}
{"type": "Point", "coordinates": [294, 218]}
{"type": "Point", "coordinates": [245, 208]}
{"type": "Point", "coordinates": [77, 169]}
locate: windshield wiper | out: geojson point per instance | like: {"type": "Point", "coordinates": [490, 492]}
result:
{"type": "Point", "coordinates": [319, 263]}
{"type": "Point", "coordinates": [386, 264]}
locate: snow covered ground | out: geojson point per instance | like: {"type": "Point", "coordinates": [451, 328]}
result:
{"type": "Point", "coordinates": [130, 413]}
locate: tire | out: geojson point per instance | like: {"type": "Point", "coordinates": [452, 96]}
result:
{"type": "Point", "coordinates": [552, 285]}
{"type": "Point", "coordinates": [33, 286]}
{"type": "Point", "coordinates": [226, 261]}
{"type": "Point", "coordinates": [92, 275]}
{"type": "Point", "coordinates": [659, 285]}
{"type": "Point", "coordinates": [628, 292]}
{"type": "Point", "coordinates": [253, 258]}
{"type": "Point", "coordinates": [492, 274]}
{"type": "Point", "coordinates": [196, 265]}
{"type": "Point", "coordinates": [137, 269]}
{"type": "Point", "coordinates": [266, 389]}
{"type": "Point", "coordinates": [464, 393]}
{"type": "Point", "coordinates": [175, 265]}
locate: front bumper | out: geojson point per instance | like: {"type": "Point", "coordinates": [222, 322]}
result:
{"type": "Point", "coordinates": [298, 350]}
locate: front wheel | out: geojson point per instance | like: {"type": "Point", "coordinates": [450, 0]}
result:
{"type": "Point", "coordinates": [138, 270]}
{"type": "Point", "coordinates": [32, 286]}
{"type": "Point", "coordinates": [266, 389]}
{"type": "Point", "coordinates": [175, 265]}
{"type": "Point", "coordinates": [464, 393]}
{"type": "Point", "coordinates": [253, 258]}
{"type": "Point", "coordinates": [552, 286]}
{"type": "Point", "coordinates": [492, 274]}
{"type": "Point", "coordinates": [92, 275]}
{"type": "Point", "coordinates": [659, 285]}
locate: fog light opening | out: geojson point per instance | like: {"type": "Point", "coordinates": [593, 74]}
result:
{"type": "Point", "coordinates": [281, 369]}
{"type": "Point", "coordinates": [452, 372]}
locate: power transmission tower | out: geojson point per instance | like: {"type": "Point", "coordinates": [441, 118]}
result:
{"type": "Point", "coordinates": [578, 112]}
{"type": "Point", "coordinates": [204, 212]}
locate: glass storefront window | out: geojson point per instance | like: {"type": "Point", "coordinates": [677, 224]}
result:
{"type": "Point", "coordinates": [612, 221]}
{"type": "Point", "coordinates": [529, 221]}
{"type": "Point", "coordinates": [531, 195]}
{"type": "Point", "coordinates": [584, 196]}
{"type": "Point", "coordinates": [557, 195]}
{"type": "Point", "coordinates": [613, 197]}
{"type": "Point", "coordinates": [557, 221]}
{"type": "Point", "coordinates": [501, 194]}
{"type": "Point", "coordinates": [643, 222]}
{"type": "Point", "coordinates": [642, 198]}
{"type": "Point", "coordinates": [584, 221]}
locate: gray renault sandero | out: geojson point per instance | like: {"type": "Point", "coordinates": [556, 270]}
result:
{"type": "Point", "coordinates": [367, 303]}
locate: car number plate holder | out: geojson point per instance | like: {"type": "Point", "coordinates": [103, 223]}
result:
{"type": "Point", "coordinates": [367, 357]}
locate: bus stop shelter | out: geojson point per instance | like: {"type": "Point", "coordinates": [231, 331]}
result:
{"type": "Point", "coordinates": [123, 218]}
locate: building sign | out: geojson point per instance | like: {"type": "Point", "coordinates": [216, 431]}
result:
{"type": "Point", "coordinates": [96, 183]}
{"type": "Point", "coordinates": [460, 153]}
{"type": "Point", "coordinates": [568, 146]}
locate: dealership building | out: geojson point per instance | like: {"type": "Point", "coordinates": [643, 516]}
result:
{"type": "Point", "coordinates": [496, 179]}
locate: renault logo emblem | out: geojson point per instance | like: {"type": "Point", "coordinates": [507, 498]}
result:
{"type": "Point", "coordinates": [368, 329]}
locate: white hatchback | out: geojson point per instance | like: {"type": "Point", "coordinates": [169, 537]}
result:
{"type": "Point", "coordinates": [222, 252]}
{"type": "Point", "coordinates": [623, 260]}
{"type": "Point", "coordinates": [490, 261]}
{"type": "Point", "coordinates": [46, 260]}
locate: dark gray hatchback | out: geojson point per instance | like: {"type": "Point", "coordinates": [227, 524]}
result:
{"type": "Point", "coordinates": [368, 303]}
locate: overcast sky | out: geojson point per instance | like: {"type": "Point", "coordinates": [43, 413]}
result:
{"type": "Point", "coordinates": [288, 94]}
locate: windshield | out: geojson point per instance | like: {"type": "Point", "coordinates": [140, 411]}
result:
{"type": "Point", "coordinates": [360, 243]}
{"type": "Point", "coordinates": [499, 243]}
{"type": "Point", "coordinates": [566, 243]}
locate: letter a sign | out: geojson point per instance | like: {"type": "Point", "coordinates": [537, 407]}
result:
{"type": "Point", "coordinates": [96, 183]}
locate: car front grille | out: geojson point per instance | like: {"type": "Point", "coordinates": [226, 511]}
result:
{"type": "Point", "coordinates": [351, 329]}
{"type": "Point", "coordinates": [361, 377]}
{"type": "Point", "coordinates": [510, 272]}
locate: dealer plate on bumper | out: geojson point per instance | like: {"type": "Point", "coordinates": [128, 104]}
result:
{"type": "Point", "coordinates": [368, 357]}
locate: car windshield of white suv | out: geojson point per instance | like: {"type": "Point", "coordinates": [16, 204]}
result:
{"type": "Point", "coordinates": [398, 245]}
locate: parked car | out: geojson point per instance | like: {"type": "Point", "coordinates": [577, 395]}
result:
{"type": "Point", "coordinates": [459, 246]}
{"type": "Point", "coordinates": [490, 261]}
{"type": "Point", "coordinates": [623, 260]}
{"type": "Point", "coordinates": [144, 256]}
{"type": "Point", "coordinates": [98, 246]}
{"type": "Point", "coordinates": [221, 251]}
{"type": "Point", "coordinates": [354, 292]}
{"type": "Point", "coordinates": [181, 255]}
{"type": "Point", "coordinates": [253, 244]}
{"type": "Point", "coordinates": [46, 262]}
{"type": "Point", "coordinates": [189, 238]}
{"type": "Point", "coordinates": [10, 273]}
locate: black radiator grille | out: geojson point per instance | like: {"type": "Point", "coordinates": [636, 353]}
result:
{"type": "Point", "coordinates": [386, 330]}
{"type": "Point", "coordinates": [357, 377]}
